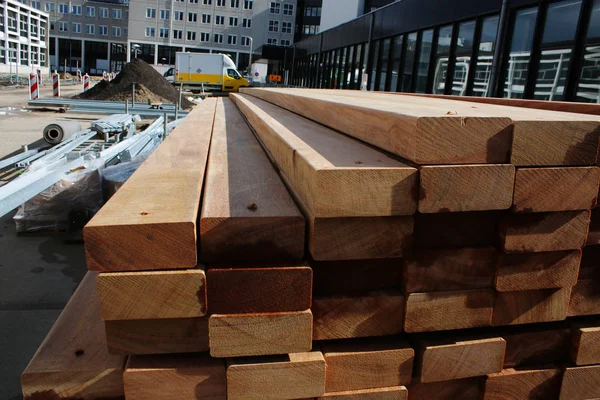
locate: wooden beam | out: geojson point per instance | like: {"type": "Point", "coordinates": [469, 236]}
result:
{"type": "Point", "coordinates": [344, 317]}
{"type": "Point", "coordinates": [152, 294]}
{"type": "Point", "coordinates": [181, 377]}
{"type": "Point", "coordinates": [293, 376]}
{"type": "Point", "coordinates": [531, 306]}
{"type": "Point", "coordinates": [247, 213]}
{"type": "Point", "coordinates": [581, 383]}
{"type": "Point", "coordinates": [449, 188]}
{"type": "Point", "coordinates": [424, 135]}
{"type": "Point", "coordinates": [540, 232]}
{"type": "Point", "coordinates": [438, 311]}
{"type": "Point", "coordinates": [259, 290]}
{"type": "Point", "coordinates": [586, 344]}
{"type": "Point", "coordinates": [242, 335]}
{"type": "Point", "coordinates": [534, 345]}
{"type": "Point", "coordinates": [535, 384]}
{"type": "Point", "coordinates": [456, 230]}
{"type": "Point", "coordinates": [389, 393]}
{"type": "Point", "coordinates": [159, 232]}
{"type": "Point", "coordinates": [452, 357]}
{"type": "Point", "coordinates": [585, 298]}
{"type": "Point", "coordinates": [463, 389]}
{"type": "Point", "coordinates": [72, 361]}
{"type": "Point", "coordinates": [157, 336]}
{"type": "Point", "coordinates": [530, 271]}
{"type": "Point", "coordinates": [367, 363]}
{"type": "Point", "coordinates": [593, 238]}
{"type": "Point", "coordinates": [335, 176]}
{"type": "Point", "coordinates": [451, 269]}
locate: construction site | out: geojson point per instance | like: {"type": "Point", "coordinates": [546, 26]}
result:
{"type": "Point", "coordinates": [354, 231]}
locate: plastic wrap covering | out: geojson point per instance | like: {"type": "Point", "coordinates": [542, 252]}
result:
{"type": "Point", "coordinates": [114, 177]}
{"type": "Point", "coordinates": [58, 131]}
{"type": "Point", "coordinates": [67, 205]}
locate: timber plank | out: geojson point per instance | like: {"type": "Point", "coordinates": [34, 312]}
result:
{"type": "Point", "coordinates": [452, 358]}
{"type": "Point", "coordinates": [540, 232]}
{"type": "Point", "coordinates": [157, 336]}
{"type": "Point", "coordinates": [335, 176]}
{"type": "Point", "coordinates": [360, 364]}
{"type": "Point", "coordinates": [152, 294]}
{"type": "Point", "coordinates": [456, 230]}
{"type": "Point", "coordinates": [72, 361]}
{"type": "Point", "coordinates": [259, 290]}
{"type": "Point", "coordinates": [581, 383]}
{"type": "Point", "coordinates": [344, 317]}
{"type": "Point", "coordinates": [437, 311]}
{"type": "Point", "coordinates": [389, 393]}
{"type": "Point", "coordinates": [424, 135]}
{"type": "Point", "coordinates": [241, 335]}
{"type": "Point", "coordinates": [159, 232]}
{"type": "Point", "coordinates": [531, 306]}
{"type": "Point", "coordinates": [530, 271]}
{"type": "Point", "coordinates": [181, 377]}
{"type": "Point", "coordinates": [539, 344]}
{"type": "Point", "coordinates": [449, 188]}
{"type": "Point", "coordinates": [247, 213]}
{"type": "Point", "coordinates": [594, 234]}
{"type": "Point", "coordinates": [586, 345]}
{"type": "Point", "coordinates": [463, 389]}
{"type": "Point", "coordinates": [293, 376]}
{"type": "Point", "coordinates": [585, 298]}
{"type": "Point", "coordinates": [533, 384]}
{"type": "Point", "coordinates": [556, 189]}
{"type": "Point", "coordinates": [450, 269]}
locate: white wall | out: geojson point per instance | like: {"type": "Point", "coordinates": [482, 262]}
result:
{"type": "Point", "coordinates": [336, 12]}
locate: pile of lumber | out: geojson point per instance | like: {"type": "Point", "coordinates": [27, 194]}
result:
{"type": "Point", "coordinates": [315, 244]}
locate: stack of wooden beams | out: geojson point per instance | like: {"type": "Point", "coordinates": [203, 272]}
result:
{"type": "Point", "coordinates": [295, 244]}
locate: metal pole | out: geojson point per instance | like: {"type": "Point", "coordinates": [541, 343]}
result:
{"type": "Point", "coordinates": [177, 111]}
{"type": "Point", "coordinates": [251, 47]}
{"type": "Point", "coordinates": [165, 122]}
{"type": "Point", "coordinates": [17, 66]}
{"type": "Point", "coordinates": [133, 96]}
{"type": "Point", "coordinates": [126, 106]}
{"type": "Point", "coordinates": [180, 93]}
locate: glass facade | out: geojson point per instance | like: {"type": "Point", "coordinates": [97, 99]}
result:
{"type": "Point", "coordinates": [588, 88]}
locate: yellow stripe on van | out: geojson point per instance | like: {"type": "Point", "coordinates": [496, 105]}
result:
{"type": "Point", "coordinates": [205, 78]}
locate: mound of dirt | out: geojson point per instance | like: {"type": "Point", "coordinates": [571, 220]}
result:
{"type": "Point", "coordinates": [152, 85]}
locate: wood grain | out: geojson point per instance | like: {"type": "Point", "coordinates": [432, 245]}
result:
{"type": "Point", "coordinates": [534, 384]}
{"type": "Point", "coordinates": [534, 345]}
{"type": "Point", "coordinates": [152, 294]}
{"type": "Point", "coordinates": [72, 361]}
{"type": "Point", "coordinates": [530, 271]}
{"type": "Point", "coordinates": [539, 232]}
{"type": "Point", "coordinates": [585, 298]}
{"type": "Point", "coordinates": [463, 389]}
{"type": "Point", "coordinates": [241, 335]}
{"type": "Point", "coordinates": [439, 311]}
{"type": "Point", "coordinates": [335, 176]}
{"type": "Point", "coordinates": [456, 230]}
{"type": "Point", "coordinates": [586, 345]}
{"type": "Point", "coordinates": [159, 232]}
{"type": "Point", "coordinates": [531, 306]}
{"type": "Point", "coordinates": [367, 364]}
{"type": "Point", "coordinates": [294, 376]}
{"type": "Point", "coordinates": [446, 359]}
{"type": "Point", "coordinates": [181, 377]}
{"type": "Point", "coordinates": [157, 336]}
{"type": "Point", "coordinates": [581, 383]}
{"type": "Point", "coordinates": [449, 188]}
{"type": "Point", "coordinates": [356, 276]}
{"type": "Point", "coordinates": [424, 135]}
{"type": "Point", "coordinates": [389, 393]}
{"type": "Point", "coordinates": [451, 269]}
{"type": "Point", "coordinates": [247, 213]}
{"type": "Point", "coordinates": [593, 238]}
{"type": "Point", "coordinates": [259, 290]}
{"type": "Point", "coordinates": [343, 317]}
{"type": "Point", "coordinates": [556, 189]}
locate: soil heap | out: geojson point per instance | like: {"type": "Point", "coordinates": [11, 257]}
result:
{"type": "Point", "coordinates": [150, 86]}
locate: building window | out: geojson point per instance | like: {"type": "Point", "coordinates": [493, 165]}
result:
{"type": "Point", "coordinates": [273, 26]}
{"type": "Point", "coordinates": [207, 2]}
{"type": "Point", "coordinates": [90, 29]}
{"type": "Point", "coordinates": [24, 55]}
{"type": "Point", "coordinates": [150, 31]}
{"type": "Point", "coordinates": [116, 31]}
{"type": "Point", "coordinates": [193, 1]}
{"type": "Point", "coordinates": [233, 21]}
{"type": "Point", "coordinates": [220, 3]}
{"type": "Point", "coordinates": [163, 33]}
{"type": "Point", "coordinates": [288, 9]}
{"type": "Point", "coordinates": [442, 55]}
{"type": "Point", "coordinates": [117, 13]}
{"type": "Point", "coordinates": [247, 22]}
{"type": "Point", "coordinates": [286, 42]}
{"type": "Point", "coordinates": [165, 14]}
{"type": "Point", "coordinates": [485, 56]}
{"type": "Point", "coordinates": [177, 34]}
{"type": "Point", "coordinates": [104, 12]}
{"type": "Point", "coordinates": [245, 41]}
{"type": "Point", "coordinates": [232, 39]}
{"type": "Point", "coordinates": [191, 35]}
{"type": "Point", "coordinates": [90, 11]}
{"type": "Point", "coordinates": [49, 7]}
{"type": "Point", "coordinates": [42, 30]}
{"type": "Point", "coordinates": [36, 4]}
{"type": "Point", "coordinates": [218, 38]}
{"type": "Point", "coordinates": [178, 15]}
{"type": "Point", "coordinates": [76, 10]}
{"type": "Point", "coordinates": [192, 17]}
{"type": "Point", "coordinates": [248, 4]}
{"type": "Point", "coordinates": [520, 53]}
{"type": "Point", "coordinates": [150, 12]}
{"type": "Point", "coordinates": [34, 55]}
{"type": "Point", "coordinates": [104, 30]}
{"type": "Point", "coordinates": [219, 20]}
{"type": "Point", "coordinates": [23, 25]}
{"type": "Point", "coordinates": [205, 36]}
{"type": "Point", "coordinates": [43, 59]}
{"type": "Point", "coordinates": [312, 12]}
{"type": "Point", "coordinates": [63, 8]}
{"type": "Point", "coordinates": [12, 52]}
{"type": "Point", "coordinates": [76, 27]}
{"type": "Point", "coordinates": [234, 4]}
{"type": "Point", "coordinates": [63, 26]}
{"type": "Point", "coordinates": [272, 41]}
{"type": "Point", "coordinates": [286, 27]}
{"type": "Point", "coordinates": [275, 7]}
{"type": "Point", "coordinates": [206, 18]}
{"type": "Point", "coordinates": [588, 89]}
{"type": "Point", "coordinates": [12, 21]}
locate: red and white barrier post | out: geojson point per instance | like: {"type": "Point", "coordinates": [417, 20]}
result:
{"type": "Point", "coordinates": [79, 77]}
{"type": "Point", "coordinates": [40, 78]}
{"type": "Point", "coordinates": [86, 82]}
{"type": "Point", "coordinates": [105, 76]}
{"type": "Point", "coordinates": [34, 93]}
{"type": "Point", "coordinates": [55, 85]}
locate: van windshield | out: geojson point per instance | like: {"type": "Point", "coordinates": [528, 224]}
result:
{"type": "Point", "coordinates": [233, 73]}
{"type": "Point", "coordinates": [170, 72]}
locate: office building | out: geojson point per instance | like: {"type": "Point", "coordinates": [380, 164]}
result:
{"type": "Point", "coordinates": [337, 12]}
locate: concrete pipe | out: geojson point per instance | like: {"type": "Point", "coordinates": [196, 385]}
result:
{"type": "Point", "coordinates": [59, 131]}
